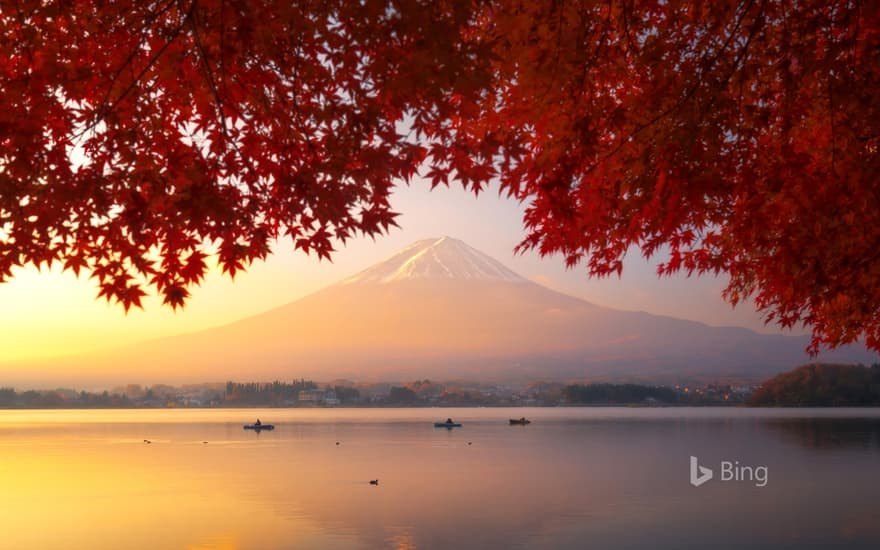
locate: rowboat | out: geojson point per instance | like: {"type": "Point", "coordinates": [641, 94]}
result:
{"type": "Point", "coordinates": [258, 427]}
{"type": "Point", "coordinates": [519, 421]}
{"type": "Point", "coordinates": [447, 425]}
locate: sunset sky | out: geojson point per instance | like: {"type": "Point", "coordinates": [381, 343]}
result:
{"type": "Point", "coordinates": [52, 313]}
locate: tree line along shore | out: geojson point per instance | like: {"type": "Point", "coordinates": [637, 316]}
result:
{"type": "Point", "coordinates": [809, 385]}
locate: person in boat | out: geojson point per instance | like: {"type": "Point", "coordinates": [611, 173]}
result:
{"type": "Point", "coordinates": [258, 423]}
{"type": "Point", "coordinates": [449, 421]}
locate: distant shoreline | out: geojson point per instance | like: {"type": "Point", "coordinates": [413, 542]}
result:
{"type": "Point", "coordinates": [457, 406]}
{"type": "Point", "coordinates": [812, 385]}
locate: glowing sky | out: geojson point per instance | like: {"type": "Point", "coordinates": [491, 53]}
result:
{"type": "Point", "coordinates": [53, 313]}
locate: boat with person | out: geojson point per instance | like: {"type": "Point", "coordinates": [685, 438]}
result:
{"type": "Point", "coordinates": [448, 424]}
{"type": "Point", "coordinates": [519, 421]}
{"type": "Point", "coordinates": [257, 426]}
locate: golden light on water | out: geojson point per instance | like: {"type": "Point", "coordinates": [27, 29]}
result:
{"type": "Point", "coordinates": [102, 486]}
{"type": "Point", "coordinates": [86, 480]}
{"type": "Point", "coordinates": [125, 496]}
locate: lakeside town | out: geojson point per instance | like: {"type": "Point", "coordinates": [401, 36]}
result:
{"type": "Point", "coordinates": [344, 393]}
{"type": "Point", "coordinates": [816, 384]}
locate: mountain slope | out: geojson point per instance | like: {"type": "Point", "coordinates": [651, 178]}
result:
{"type": "Point", "coordinates": [443, 258]}
{"type": "Point", "coordinates": [441, 309]}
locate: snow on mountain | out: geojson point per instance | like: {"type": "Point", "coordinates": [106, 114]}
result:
{"type": "Point", "coordinates": [443, 258]}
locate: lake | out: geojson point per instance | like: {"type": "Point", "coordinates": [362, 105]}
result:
{"type": "Point", "coordinates": [574, 478]}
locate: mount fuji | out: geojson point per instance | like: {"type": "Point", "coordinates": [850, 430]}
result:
{"type": "Point", "coordinates": [441, 309]}
{"type": "Point", "coordinates": [443, 258]}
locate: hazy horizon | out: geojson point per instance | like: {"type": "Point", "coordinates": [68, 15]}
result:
{"type": "Point", "coordinates": [437, 308]}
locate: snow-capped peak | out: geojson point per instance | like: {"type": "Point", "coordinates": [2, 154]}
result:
{"type": "Point", "coordinates": [443, 258]}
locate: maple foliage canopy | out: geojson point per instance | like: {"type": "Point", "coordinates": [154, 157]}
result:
{"type": "Point", "coordinates": [736, 137]}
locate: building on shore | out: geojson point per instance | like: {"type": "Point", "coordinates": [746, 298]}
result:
{"type": "Point", "coordinates": [317, 397]}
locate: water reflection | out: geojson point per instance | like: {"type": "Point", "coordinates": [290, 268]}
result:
{"type": "Point", "coordinates": [829, 433]}
{"type": "Point", "coordinates": [575, 478]}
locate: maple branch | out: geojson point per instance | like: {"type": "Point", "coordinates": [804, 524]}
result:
{"type": "Point", "coordinates": [103, 108]}
{"type": "Point", "coordinates": [296, 117]}
{"type": "Point", "coordinates": [223, 47]}
{"type": "Point", "coordinates": [21, 21]}
{"type": "Point", "coordinates": [130, 58]}
{"type": "Point", "coordinates": [687, 97]}
{"type": "Point", "coordinates": [626, 33]}
{"type": "Point", "coordinates": [831, 75]}
{"type": "Point", "coordinates": [756, 24]}
{"type": "Point", "coordinates": [218, 101]}
{"type": "Point", "coordinates": [753, 29]}
{"type": "Point", "coordinates": [209, 74]}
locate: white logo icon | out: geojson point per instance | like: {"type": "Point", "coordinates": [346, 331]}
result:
{"type": "Point", "coordinates": [699, 474]}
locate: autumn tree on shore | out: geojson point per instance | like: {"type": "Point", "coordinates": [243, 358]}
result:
{"type": "Point", "coordinates": [739, 137]}
{"type": "Point", "coordinates": [821, 385]}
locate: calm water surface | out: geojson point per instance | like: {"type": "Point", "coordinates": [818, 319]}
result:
{"type": "Point", "coordinates": [574, 478]}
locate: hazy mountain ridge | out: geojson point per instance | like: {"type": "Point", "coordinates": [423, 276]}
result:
{"type": "Point", "coordinates": [440, 309]}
